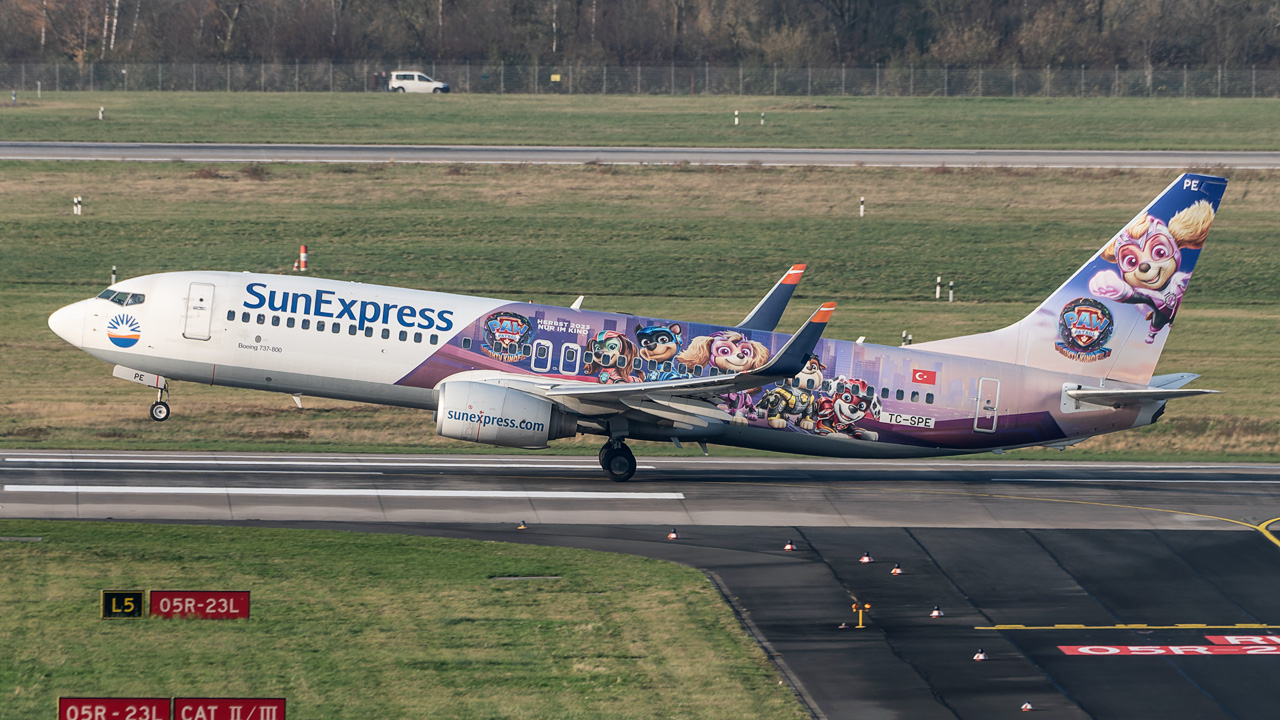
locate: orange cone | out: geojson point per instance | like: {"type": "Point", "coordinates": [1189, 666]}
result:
{"type": "Point", "coordinates": [673, 535]}
{"type": "Point", "coordinates": [980, 656]}
{"type": "Point", "coordinates": [789, 546]}
{"type": "Point", "coordinates": [937, 612]}
{"type": "Point", "coordinates": [897, 570]}
{"type": "Point", "coordinates": [1026, 707]}
{"type": "Point", "coordinates": [866, 558]}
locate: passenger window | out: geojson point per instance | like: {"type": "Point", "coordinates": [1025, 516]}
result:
{"type": "Point", "coordinates": [541, 356]}
{"type": "Point", "coordinates": [871, 390]}
{"type": "Point", "coordinates": [884, 393]}
{"type": "Point", "coordinates": [569, 359]}
{"type": "Point", "coordinates": [684, 369]}
{"type": "Point", "coordinates": [275, 321]}
{"type": "Point", "coordinates": [386, 333]}
{"type": "Point", "coordinates": [434, 338]}
{"type": "Point", "coordinates": [319, 326]}
{"type": "Point", "coordinates": [289, 322]}
{"type": "Point", "coordinates": [231, 314]}
{"type": "Point", "coordinates": [306, 324]}
{"type": "Point", "coordinates": [352, 329]}
{"type": "Point", "coordinates": [404, 335]}
{"type": "Point", "coordinates": [697, 371]}
{"type": "Point", "coordinates": [915, 396]}
{"type": "Point", "coordinates": [335, 328]}
{"type": "Point", "coordinates": [808, 383]}
{"type": "Point", "coordinates": [417, 337]}
{"type": "Point", "coordinates": [262, 319]}
{"type": "Point", "coordinates": [928, 398]}
{"type": "Point", "coordinates": [638, 364]}
{"type": "Point", "coordinates": [898, 395]}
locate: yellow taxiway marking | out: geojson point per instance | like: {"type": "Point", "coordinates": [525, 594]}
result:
{"type": "Point", "coordinates": [1181, 626]}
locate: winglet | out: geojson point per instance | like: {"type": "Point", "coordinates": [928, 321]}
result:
{"type": "Point", "coordinates": [766, 314]}
{"type": "Point", "coordinates": [790, 360]}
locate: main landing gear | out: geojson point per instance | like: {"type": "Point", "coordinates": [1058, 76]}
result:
{"type": "Point", "coordinates": [617, 461]}
{"type": "Point", "coordinates": [160, 408]}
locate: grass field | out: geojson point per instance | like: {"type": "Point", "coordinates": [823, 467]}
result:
{"type": "Point", "coordinates": [680, 242]}
{"type": "Point", "coordinates": [861, 122]}
{"type": "Point", "coordinates": [347, 625]}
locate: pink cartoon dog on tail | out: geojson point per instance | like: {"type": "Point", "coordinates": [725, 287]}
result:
{"type": "Point", "coordinates": [1149, 256]}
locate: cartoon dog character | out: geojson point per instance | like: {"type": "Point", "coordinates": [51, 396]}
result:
{"type": "Point", "coordinates": [658, 345]}
{"type": "Point", "coordinates": [740, 406]}
{"type": "Point", "coordinates": [612, 357]}
{"type": "Point", "coordinates": [728, 350]}
{"type": "Point", "coordinates": [838, 414]}
{"type": "Point", "coordinates": [795, 400]}
{"type": "Point", "coordinates": [1149, 255]}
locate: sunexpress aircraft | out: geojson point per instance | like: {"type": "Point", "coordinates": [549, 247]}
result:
{"type": "Point", "coordinates": [520, 375]}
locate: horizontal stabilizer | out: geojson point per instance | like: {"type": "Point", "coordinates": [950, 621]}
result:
{"type": "Point", "coordinates": [1121, 398]}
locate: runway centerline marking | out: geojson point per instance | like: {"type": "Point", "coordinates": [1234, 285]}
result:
{"type": "Point", "coordinates": [342, 492]}
{"type": "Point", "coordinates": [319, 463]}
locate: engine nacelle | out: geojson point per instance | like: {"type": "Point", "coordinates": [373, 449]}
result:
{"type": "Point", "coordinates": [496, 415]}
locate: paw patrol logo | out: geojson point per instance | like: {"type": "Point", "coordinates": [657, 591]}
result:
{"type": "Point", "coordinates": [1084, 326]}
{"type": "Point", "coordinates": [505, 334]}
{"type": "Point", "coordinates": [124, 331]}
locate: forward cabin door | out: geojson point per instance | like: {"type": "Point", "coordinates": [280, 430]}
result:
{"type": "Point", "coordinates": [199, 312]}
{"type": "Point", "coordinates": [986, 411]}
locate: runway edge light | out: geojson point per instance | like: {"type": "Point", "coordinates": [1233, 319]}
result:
{"type": "Point", "coordinates": [1026, 707]}
{"type": "Point", "coordinates": [866, 558]}
{"type": "Point", "coordinates": [790, 546]}
{"type": "Point", "coordinates": [980, 656]}
{"type": "Point", "coordinates": [673, 535]}
{"type": "Point", "coordinates": [937, 612]}
{"type": "Point", "coordinates": [897, 569]}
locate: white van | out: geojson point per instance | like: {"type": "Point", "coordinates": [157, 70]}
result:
{"type": "Point", "coordinates": [415, 82]}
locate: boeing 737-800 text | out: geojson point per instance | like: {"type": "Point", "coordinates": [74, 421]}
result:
{"type": "Point", "coordinates": [521, 375]}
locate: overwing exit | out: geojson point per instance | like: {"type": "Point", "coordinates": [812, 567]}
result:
{"type": "Point", "coordinates": [522, 375]}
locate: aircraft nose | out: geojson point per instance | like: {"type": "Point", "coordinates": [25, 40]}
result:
{"type": "Point", "coordinates": [68, 323]}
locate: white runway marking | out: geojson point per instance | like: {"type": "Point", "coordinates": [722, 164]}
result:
{"type": "Point", "coordinates": [342, 492]}
{"type": "Point", "coordinates": [1153, 481]}
{"type": "Point", "coordinates": [321, 463]}
{"type": "Point", "coordinates": [180, 471]}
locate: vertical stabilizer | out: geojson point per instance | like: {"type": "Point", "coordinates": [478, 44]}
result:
{"type": "Point", "coordinates": [1112, 317]}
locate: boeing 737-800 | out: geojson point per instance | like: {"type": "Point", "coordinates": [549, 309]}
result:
{"type": "Point", "coordinates": [521, 375]}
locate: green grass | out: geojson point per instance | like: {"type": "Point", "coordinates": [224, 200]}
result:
{"type": "Point", "coordinates": [679, 242]}
{"type": "Point", "coordinates": [347, 625]}
{"type": "Point", "coordinates": [859, 122]}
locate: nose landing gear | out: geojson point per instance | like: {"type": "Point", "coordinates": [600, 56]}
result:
{"type": "Point", "coordinates": [617, 461]}
{"type": "Point", "coordinates": [160, 408]}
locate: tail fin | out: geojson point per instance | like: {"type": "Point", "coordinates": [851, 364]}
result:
{"type": "Point", "coordinates": [1112, 317]}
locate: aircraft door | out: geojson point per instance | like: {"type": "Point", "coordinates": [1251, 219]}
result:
{"type": "Point", "coordinates": [199, 312]}
{"type": "Point", "coordinates": [987, 405]}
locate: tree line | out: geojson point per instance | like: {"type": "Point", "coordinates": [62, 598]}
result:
{"type": "Point", "coordinates": [1130, 33]}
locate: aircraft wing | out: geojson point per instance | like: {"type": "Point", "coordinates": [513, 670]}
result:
{"type": "Point", "coordinates": [787, 363]}
{"type": "Point", "coordinates": [766, 314]}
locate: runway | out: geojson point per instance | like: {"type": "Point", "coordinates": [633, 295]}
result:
{"type": "Point", "coordinates": [1028, 561]}
{"type": "Point", "coordinates": [554, 155]}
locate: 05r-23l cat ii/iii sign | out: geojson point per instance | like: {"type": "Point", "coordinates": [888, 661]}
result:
{"type": "Point", "coordinates": [521, 375]}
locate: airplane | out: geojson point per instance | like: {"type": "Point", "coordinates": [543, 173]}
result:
{"type": "Point", "coordinates": [517, 374]}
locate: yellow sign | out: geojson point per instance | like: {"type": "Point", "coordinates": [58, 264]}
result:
{"type": "Point", "coordinates": [555, 77]}
{"type": "Point", "coordinates": [121, 604]}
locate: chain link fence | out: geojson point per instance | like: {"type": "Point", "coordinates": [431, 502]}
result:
{"type": "Point", "coordinates": [674, 79]}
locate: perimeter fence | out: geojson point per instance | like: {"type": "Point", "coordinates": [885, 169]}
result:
{"type": "Point", "coordinates": [673, 79]}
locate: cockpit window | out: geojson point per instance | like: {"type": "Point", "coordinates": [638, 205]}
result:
{"type": "Point", "coordinates": [122, 298]}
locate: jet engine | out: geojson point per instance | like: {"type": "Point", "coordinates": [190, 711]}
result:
{"type": "Point", "coordinates": [496, 415]}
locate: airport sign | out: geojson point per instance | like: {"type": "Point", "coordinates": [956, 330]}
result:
{"type": "Point", "coordinates": [204, 604]}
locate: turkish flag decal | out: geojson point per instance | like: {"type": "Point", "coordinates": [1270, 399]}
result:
{"type": "Point", "coordinates": [924, 377]}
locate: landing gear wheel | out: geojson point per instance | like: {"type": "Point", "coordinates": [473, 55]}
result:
{"type": "Point", "coordinates": [159, 411]}
{"type": "Point", "coordinates": [618, 463]}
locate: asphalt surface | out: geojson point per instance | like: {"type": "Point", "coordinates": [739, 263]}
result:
{"type": "Point", "coordinates": [226, 152]}
{"type": "Point", "coordinates": [1023, 559]}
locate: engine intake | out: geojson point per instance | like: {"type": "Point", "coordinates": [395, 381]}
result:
{"type": "Point", "coordinates": [496, 415]}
